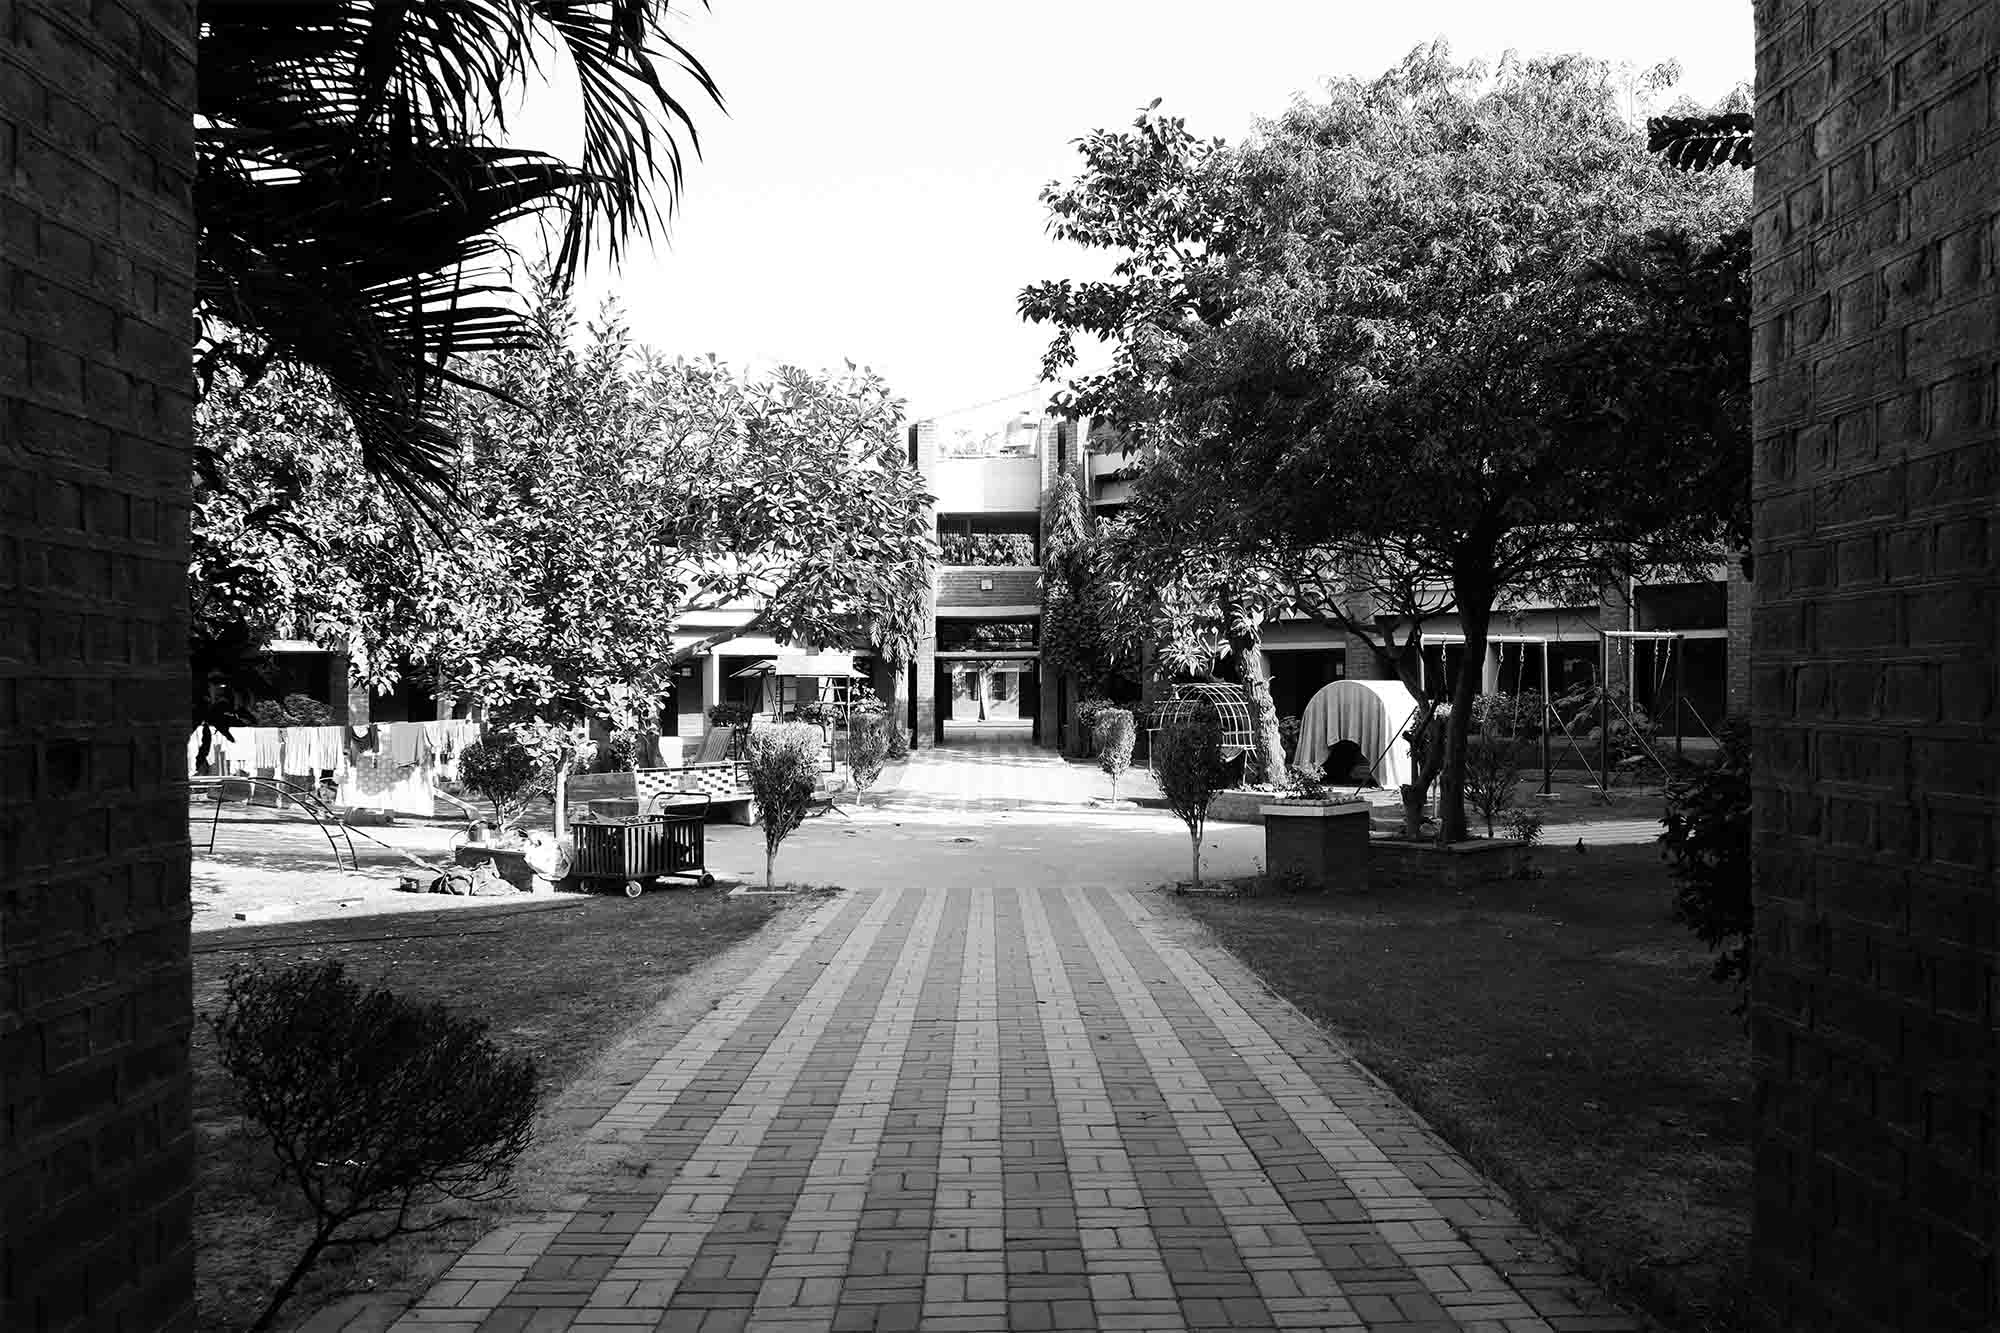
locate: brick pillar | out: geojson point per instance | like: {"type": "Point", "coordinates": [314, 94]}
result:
{"type": "Point", "coordinates": [96, 280]}
{"type": "Point", "coordinates": [1876, 346]}
{"type": "Point", "coordinates": [1741, 594]}
{"type": "Point", "coordinates": [1614, 611]}
{"type": "Point", "coordinates": [923, 452]}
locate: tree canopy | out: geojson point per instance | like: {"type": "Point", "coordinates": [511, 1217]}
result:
{"type": "Point", "coordinates": [1380, 334]}
{"type": "Point", "coordinates": [352, 177]}
{"type": "Point", "coordinates": [609, 496]}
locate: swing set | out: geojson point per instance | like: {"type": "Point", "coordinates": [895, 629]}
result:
{"type": "Point", "coordinates": [1667, 670]}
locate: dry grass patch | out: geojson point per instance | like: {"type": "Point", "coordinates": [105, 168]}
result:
{"type": "Point", "coordinates": [561, 980]}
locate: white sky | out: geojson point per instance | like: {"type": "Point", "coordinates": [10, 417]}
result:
{"type": "Point", "coordinates": [871, 192]}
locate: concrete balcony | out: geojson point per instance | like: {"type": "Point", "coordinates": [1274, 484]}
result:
{"type": "Point", "coordinates": [988, 588]}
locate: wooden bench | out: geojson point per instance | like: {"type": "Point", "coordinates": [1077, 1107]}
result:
{"type": "Point", "coordinates": [726, 785]}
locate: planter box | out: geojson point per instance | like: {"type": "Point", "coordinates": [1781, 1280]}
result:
{"type": "Point", "coordinates": [1324, 843]}
{"type": "Point", "coordinates": [1397, 863]}
{"type": "Point", "coordinates": [510, 864]}
{"type": "Point", "coordinates": [1241, 807]}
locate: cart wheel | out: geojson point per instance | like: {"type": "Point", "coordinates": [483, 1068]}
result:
{"type": "Point", "coordinates": [633, 888]}
{"type": "Point", "coordinates": [707, 880]}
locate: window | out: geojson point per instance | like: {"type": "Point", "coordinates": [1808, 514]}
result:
{"type": "Point", "coordinates": [988, 539]}
{"type": "Point", "coordinates": [972, 635]}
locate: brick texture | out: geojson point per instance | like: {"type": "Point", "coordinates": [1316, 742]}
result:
{"type": "Point", "coordinates": [96, 275]}
{"type": "Point", "coordinates": [1875, 637]}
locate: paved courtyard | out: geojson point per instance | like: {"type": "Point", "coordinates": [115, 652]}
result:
{"type": "Point", "coordinates": [1013, 1107]}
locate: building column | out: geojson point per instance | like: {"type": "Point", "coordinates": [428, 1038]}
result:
{"type": "Point", "coordinates": [97, 396]}
{"type": "Point", "coordinates": [1742, 593]}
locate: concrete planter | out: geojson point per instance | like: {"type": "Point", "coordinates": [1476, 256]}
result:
{"type": "Point", "coordinates": [1398, 863]}
{"type": "Point", "coordinates": [1325, 843]}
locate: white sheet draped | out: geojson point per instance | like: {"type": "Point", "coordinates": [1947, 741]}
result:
{"type": "Point", "coordinates": [1371, 713]}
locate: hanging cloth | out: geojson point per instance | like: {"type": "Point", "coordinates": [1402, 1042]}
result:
{"type": "Point", "coordinates": [267, 748]}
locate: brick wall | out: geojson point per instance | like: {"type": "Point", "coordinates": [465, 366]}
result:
{"type": "Point", "coordinates": [1875, 638]}
{"type": "Point", "coordinates": [96, 270]}
{"type": "Point", "coordinates": [1742, 596]}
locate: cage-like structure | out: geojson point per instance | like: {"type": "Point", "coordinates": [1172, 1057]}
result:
{"type": "Point", "coordinates": [1221, 700]}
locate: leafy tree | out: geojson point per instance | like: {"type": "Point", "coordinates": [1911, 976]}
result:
{"type": "Point", "coordinates": [635, 492]}
{"type": "Point", "coordinates": [352, 179]}
{"type": "Point", "coordinates": [784, 772]}
{"type": "Point", "coordinates": [500, 769]}
{"type": "Point", "coordinates": [1368, 337]}
{"type": "Point", "coordinates": [1187, 759]}
{"type": "Point", "coordinates": [867, 749]}
{"type": "Point", "coordinates": [376, 1107]}
{"type": "Point", "coordinates": [1113, 733]}
{"type": "Point", "coordinates": [1707, 842]}
{"type": "Point", "coordinates": [1081, 634]}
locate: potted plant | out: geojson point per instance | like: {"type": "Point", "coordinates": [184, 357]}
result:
{"type": "Point", "coordinates": [1315, 837]}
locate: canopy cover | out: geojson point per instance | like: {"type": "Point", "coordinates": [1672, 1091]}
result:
{"type": "Point", "coordinates": [1373, 714]}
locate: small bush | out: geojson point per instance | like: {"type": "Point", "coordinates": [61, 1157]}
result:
{"type": "Point", "coordinates": [784, 773]}
{"type": "Point", "coordinates": [1491, 777]}
{"type": "Point", "coordinates": [621, 751]}
{"type": "Point", "coordinates": [1187, 759]}
{"type": "Point", "coordinates": [1305, 782]}
{"type": "Point", "coordinates": [1288, 736]}
{"type": "Point", "coordinates": [867, 749]}
{"type": "Point", "coordinates": [1524, 826]}
{"type": "Point", "coordinates": [375, 1106]}
{"type": "Point", "coordinates": [499, 769]}
{"type": "Point", "coordinates": [730, 715]}
{"type": "Point", "coordinates": [899, 743]}
{"type": "Point", "coordinates": [294, 710]}
{"type": "Point", "coordinates": [1086, 723]}
{"type": "Point", "coordinates": [862, 701]}
{"type": "Point", "coordinates": [1112, 735]}
{"type": "Point", "coordinates": [1707, 839]}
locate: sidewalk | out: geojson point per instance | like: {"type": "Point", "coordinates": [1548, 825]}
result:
{"type": "Point", "coordinates": [1011, 1107]}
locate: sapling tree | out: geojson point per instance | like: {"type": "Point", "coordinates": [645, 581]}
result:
{"type": "Point", "coordinates": [784, 772]}
{"type": "Point", "coordinates": [377, 1107]}
{"type": "Point", "coordinates": [1187, 758]}
{"type": "Point", "coordinates": [1113, 734]}
{"type": "Point", "coordinates": [1491, 776]}
{"type": "Point", "coordinates": [867, 749]}
{"type": "Point", "coordinates": [499, 769]}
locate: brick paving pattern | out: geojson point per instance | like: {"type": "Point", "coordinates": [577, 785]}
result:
{"type": "Point", "coordinates": [1018, 1109]}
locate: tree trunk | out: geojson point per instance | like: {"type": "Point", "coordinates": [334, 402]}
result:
{"type": "Point", "coordinates": [1194, 836]}
{"type": "Point", "coordinates": [1267, 748]}
{"type": "Point", "coordinates": [770, 866]}
{"type": "Point", "coordinates": [1475, 615]}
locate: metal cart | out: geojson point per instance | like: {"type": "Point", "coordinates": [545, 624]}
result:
{"type": "Point", "coordinates": [641, 849]}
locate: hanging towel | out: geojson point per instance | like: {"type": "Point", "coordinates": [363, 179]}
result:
{"type": "Point", "coordinates": [267, 748]}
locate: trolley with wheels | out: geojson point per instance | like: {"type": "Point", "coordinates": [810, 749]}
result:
{"type": "Point", "coordinates": [638, 851]}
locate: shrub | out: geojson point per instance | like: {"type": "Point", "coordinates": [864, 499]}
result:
{"type": "Point", "coordinates": [899, 743]}
{"type": "Point", "coordinates": [1707, 839]}
{"type": "Point", "coordinates": [500, 769]}
{"type": "Point", "coordinates": [730, 715]}
{"type": "Point", "coordinates": [867, 749]}
{"type": "Point", "coordinates": [375, 1105]}
{"type": "Point", "coordinates": [1305, 782]}
{"type": "Point", "coordinates": [621, 751]}
{"type": "Point", "coordinates": [1187, 759]}
{"type": "Point", "coordinates": [1112, 734]}
{"type": "Point", "coordinates": [1524, 826]}
{"type": "Point", "coordinates": [294, 710]}
{"type": "Point", "coordinates": [816, 713]}
{"type": "Point", "coordinates": [1490, 775]}
{"type": "Point", "coordinates": [862, 701]}
{"type": "Point", "coordinates": [1086, 722]}
{"type": "Point", "coordinates": [784, 772]}
{"type": "Point", "coordinates": [1288, 736]}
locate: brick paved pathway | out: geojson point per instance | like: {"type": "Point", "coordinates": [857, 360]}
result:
{"type": "Point", "coordinates": [1006, 1108]}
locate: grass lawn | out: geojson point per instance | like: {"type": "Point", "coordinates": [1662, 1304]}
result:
{"type": "Point", "coordinates": [1563, 1034]}
{"type": "Point", "coordinates": [559, 979]}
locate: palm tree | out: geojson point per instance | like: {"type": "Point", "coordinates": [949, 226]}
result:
{"type": "Point", "coordinates": [352, 178]}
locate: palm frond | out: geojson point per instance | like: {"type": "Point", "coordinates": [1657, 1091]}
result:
{"type": "Point", "coordinates": [1702, 143]}
{"type": "Point", "coordinates": [351, 184]}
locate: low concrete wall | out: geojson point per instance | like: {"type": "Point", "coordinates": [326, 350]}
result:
{"type": "Point", "coordinates": [1397, 864]}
